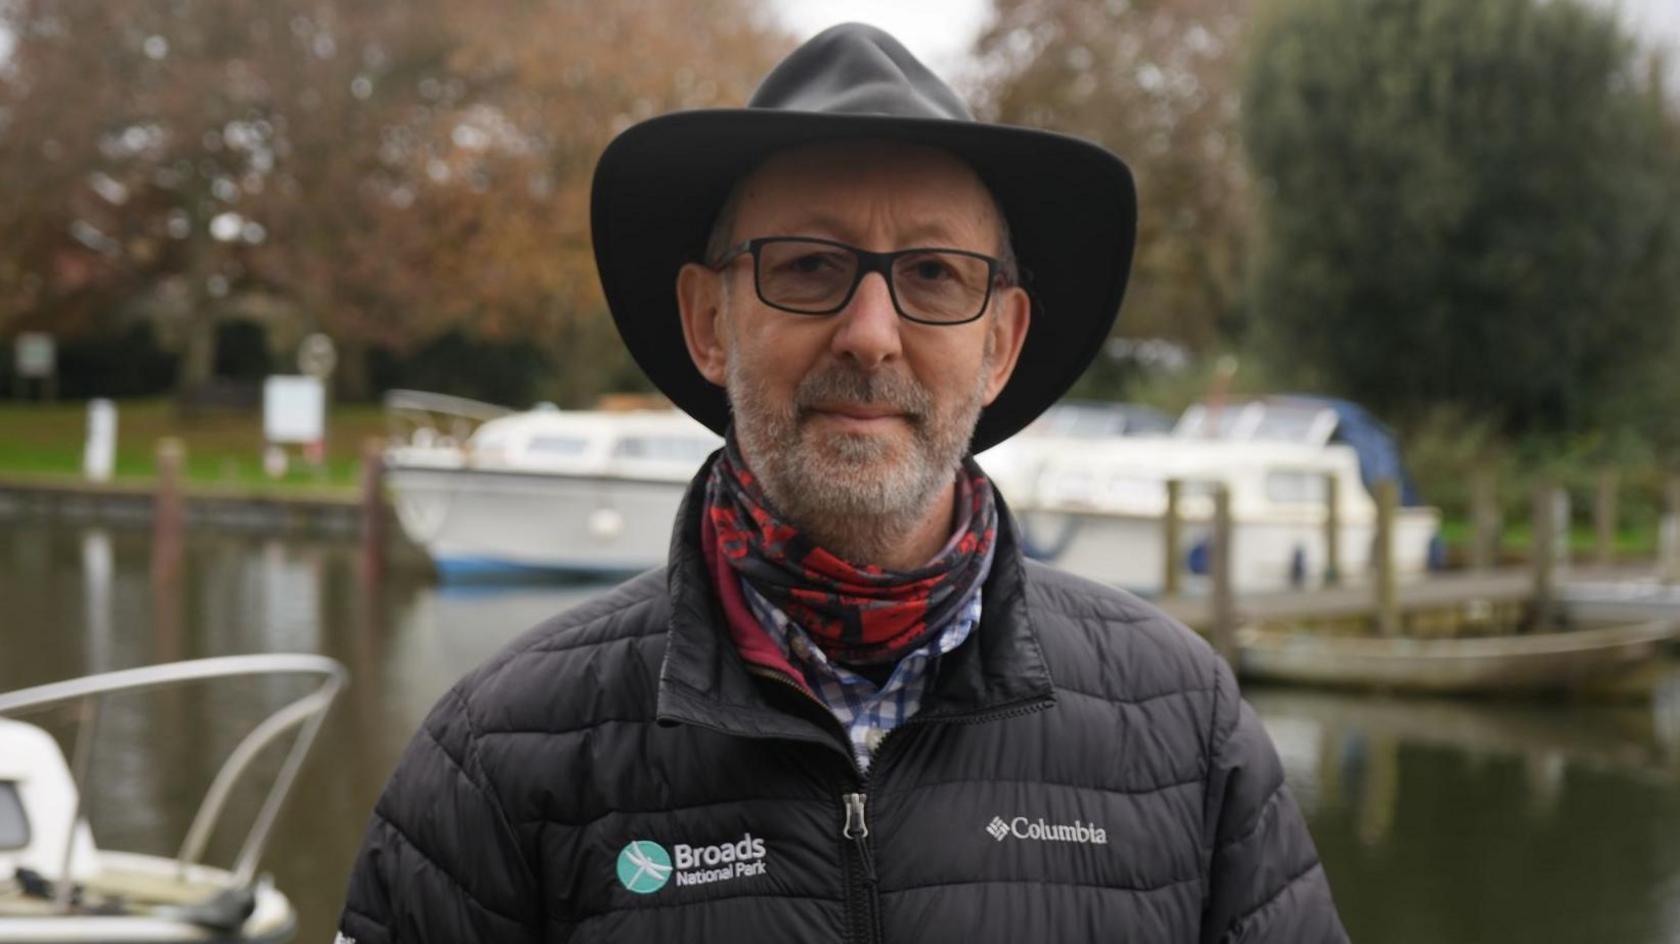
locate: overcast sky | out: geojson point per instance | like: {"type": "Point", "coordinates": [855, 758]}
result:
{"type": "Point", "coordinates": [941, 32]}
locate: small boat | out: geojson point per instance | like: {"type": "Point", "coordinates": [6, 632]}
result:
{"type": "Point", "coordinates": [1096, 504]}
{"type": "Point", "coordinates": [1508, 664]}
{"type": "Point", "coordinates": [57, 884]}
{"type": "Point", "coordinates": [489, 492]}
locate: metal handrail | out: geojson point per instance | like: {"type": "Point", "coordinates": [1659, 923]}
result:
{"type": "Point", "coordinates": [305, 714]}
{"type": "Point", "coordinates": [420, 409]}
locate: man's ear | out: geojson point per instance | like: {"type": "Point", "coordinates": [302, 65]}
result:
{"type": "Point", "coordinates": [1008, 329]}
{"type": "Point", "coordinates": [700, 301]}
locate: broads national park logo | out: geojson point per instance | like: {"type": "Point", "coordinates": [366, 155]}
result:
{"type": "Point", "coordinates": [644, 866]}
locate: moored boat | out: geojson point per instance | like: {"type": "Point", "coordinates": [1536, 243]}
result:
{"type": "Point", "coordinates": [57, 884]}
{"type": "Point", "coordinates": [492, 492]}
{"type": "Point", "coordinates": [1095, 504]}
{"type": "Point", "coordinates": [1558, 660]}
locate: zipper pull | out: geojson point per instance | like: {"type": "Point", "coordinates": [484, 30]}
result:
{"type": "Point", "coordinates": [857, 830]}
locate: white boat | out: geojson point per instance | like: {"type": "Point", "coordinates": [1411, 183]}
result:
{"type": "Point", "coordinates": [487, 491]}
{"type": "Point", "coordinates": [57, 884]}
{"type": "Point", "coordinates": [1096, 505]}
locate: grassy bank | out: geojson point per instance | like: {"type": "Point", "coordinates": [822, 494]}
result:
{"type": "Point", "coordinates": [223, 448]}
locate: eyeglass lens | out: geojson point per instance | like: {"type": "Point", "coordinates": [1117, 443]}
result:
{"type": "Point", "coordinates": [816, 277]}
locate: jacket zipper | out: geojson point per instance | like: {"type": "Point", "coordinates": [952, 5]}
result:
{"type": "Point", "coordinates": [863, 894]}
{"type": "Point", "coordinates": [863, 915]}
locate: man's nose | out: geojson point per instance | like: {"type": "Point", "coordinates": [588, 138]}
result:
{"type": "Point", "coordinates": [868, 332]}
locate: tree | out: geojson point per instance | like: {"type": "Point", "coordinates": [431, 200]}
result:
{"type": "Point", "coordinates": [1471, 203]}
{"type": "Point", "coordinates": [385, 173]}
{"type": "Point", "coordinates": [206, 141]}
{"type": "Point", "coordinates": [1156, 81]}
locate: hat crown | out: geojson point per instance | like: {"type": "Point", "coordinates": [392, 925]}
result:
{"type": "Point", "coordinates": [855, 69]}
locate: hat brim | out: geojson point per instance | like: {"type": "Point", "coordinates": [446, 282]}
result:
{"type": "Point", "coordinates": [1071, 206]}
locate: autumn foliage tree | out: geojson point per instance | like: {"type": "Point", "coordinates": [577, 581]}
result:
{"type": "Point", "coordinates": [1157, 82]}
{"type": "Point", "coordinates": [381, 172]}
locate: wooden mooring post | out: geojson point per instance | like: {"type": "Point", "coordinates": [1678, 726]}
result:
{"type": "Point", "coordinates": [373, 510]}
{"type": "Point", "coordinates": [1543, 553]}
{"type": "Point", "coordinates": [1224, 629]}
{"type": "Point", "coordinates": [168, 510]}
{"type": "Point", "coordinates": [1332, 530]}
{"type": "Point", "coordinates": [1605, 501]}
{"type": "Point", "coordinates": [1171, 550]}
{"type": "Point", "coordinates": [1387, 591]}
{"type": "Point", "coordinates": [1485, 521]}
{"type": "Point", "coordinates": [1668, 534]}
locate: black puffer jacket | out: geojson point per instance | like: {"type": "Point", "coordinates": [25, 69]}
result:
{"type": "Point", "coordinates": [1081, 770]}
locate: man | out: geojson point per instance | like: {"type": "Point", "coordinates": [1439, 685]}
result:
{"type": "Point", "coordinates": [849, 709]}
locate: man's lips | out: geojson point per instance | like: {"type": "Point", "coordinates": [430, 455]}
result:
{"type": "Point", "coordinates": [859, 416]}
{"type": "Point", "coordinates": [857, 411]}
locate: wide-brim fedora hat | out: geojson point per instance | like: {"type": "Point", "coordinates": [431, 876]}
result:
{"type": "Point", "coordinates": [1070, 205]}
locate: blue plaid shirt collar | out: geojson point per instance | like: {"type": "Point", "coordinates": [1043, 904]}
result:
{"type": "Point", "coordinates": [865, 711]}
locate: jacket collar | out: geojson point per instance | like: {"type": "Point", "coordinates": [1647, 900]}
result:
{"type": "Point", "coordinates": [704, 681]}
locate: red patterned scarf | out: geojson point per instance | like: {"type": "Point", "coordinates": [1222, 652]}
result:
{"type": "Point", "coordinates": [858, 615]}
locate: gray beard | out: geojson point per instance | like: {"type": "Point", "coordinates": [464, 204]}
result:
{"type": "Point", "coordinates": [854, 495]}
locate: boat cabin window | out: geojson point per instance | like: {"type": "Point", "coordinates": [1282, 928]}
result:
{"type": "Point", "coordinates": [551, 445]}
{"type": "Point", "coordinates": [1295, 487]}
{"type": "Point", "coordinates": [669, 448]}
{"type": "Point", "coordinates": [14, 828]}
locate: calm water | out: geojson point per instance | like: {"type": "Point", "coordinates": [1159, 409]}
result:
{"type": "Point", "coordinates": [1438, 822]}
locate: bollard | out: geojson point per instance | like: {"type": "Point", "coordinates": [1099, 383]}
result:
{"type": "Point", "coordinates": [373, 510]}
{"type": "Point", "coordinates": [1387, 598]}
{"type": "Point", "coordinates": [1170, 549]}
{"type": "Point", "coordinates": [1484, 521]}
{"type": "Point", "coordinates": [1604, 517]}
{"type": "Point", "coordinates": [1224, 597]}
{"type": "Point", "coordinates": [99, 453]}
{"type": "Point", "coordinates": [1332, 530]}
{"type": "Point", "coordinates": [1542, 554]}
{"type": "Point", "coordinates": [168, 510]}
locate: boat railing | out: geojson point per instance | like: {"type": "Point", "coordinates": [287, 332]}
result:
{"type": "Point", "coordinates": [302, 716]}
{"type": "Point", "coordinates": [419, 418]}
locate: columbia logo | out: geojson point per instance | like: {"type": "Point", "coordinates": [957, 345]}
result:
{"type": "Point", "coordinates": [998, 828]}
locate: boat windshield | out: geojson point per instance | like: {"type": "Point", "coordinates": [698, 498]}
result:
{"type": "Point", "coordinates": [14, 829]}
{"type": "Point", "coordinates": [1270, 422]}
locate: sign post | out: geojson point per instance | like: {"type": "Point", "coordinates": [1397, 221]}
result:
{"type": "Point", "coordinates": [294, 412]}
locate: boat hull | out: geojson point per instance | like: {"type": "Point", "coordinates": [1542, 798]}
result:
{"type": "Point", "coordinates": [1500, 664]}
{"type": "Point", "coordinates": [1267, 554]}
{"type": "Point", "coordinates": [477, 523]}
{"type": "Point", "coordinates": [139, 877]}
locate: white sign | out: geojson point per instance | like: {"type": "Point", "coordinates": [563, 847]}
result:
{"type": "Point", "coordinates": [294, 409]}
{"type": "Point", "coordinates": [36, 355]}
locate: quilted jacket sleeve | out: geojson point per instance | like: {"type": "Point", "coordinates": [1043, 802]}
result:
{"type": "Point", "coordinates": [440, 861]}
{"type": "Point", "coordinates": [1265, 882]}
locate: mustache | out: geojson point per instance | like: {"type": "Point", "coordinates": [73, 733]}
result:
{"type": "Point", "coordinates": [897, 391]}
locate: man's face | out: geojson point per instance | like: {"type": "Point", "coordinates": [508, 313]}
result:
{"type": "Point", "coordinates": [858, 413]}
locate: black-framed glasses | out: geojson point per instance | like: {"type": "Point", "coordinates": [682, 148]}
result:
{"type": "Point", "coordinates": [810, 276]}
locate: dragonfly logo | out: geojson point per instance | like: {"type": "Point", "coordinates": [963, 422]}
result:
{"type": "Point", "coordinates": [644, 867]}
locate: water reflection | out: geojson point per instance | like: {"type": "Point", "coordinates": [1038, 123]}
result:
{"type": "Point", "coordinates": [1465, 821]}
{"type": "Point", "coordinates": [1438, 821]}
